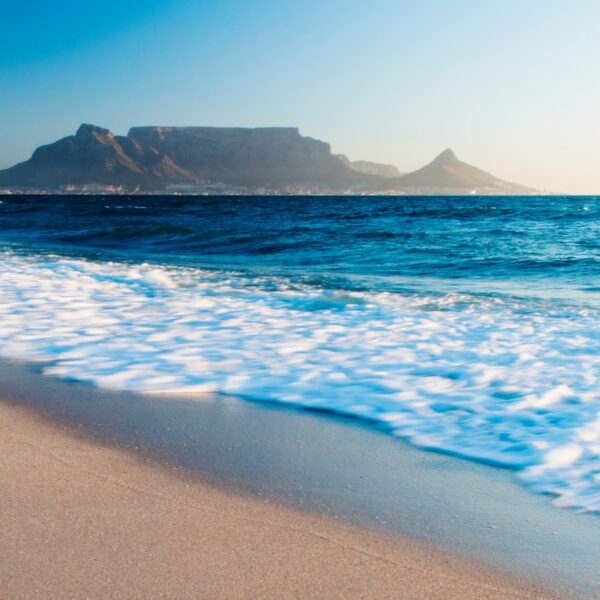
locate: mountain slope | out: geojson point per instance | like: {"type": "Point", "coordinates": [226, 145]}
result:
{"type": "Point", "coordinates": [370, 168]}
{"type": "Point", "coordinates": [367, 167]}
{"type": "Point", "coordinates": [92, 155]}
{"type": "Point", "coordinates": [273, 159]}
{"type": "Point", "coordinates": [448, 174]}
{"type": "Point", "coordinates": [266, 155]}
{"type": "Point", "coordinates": [153, 157]}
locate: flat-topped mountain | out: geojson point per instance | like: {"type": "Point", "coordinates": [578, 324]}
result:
{"type": "Point", "coordinates": [229, 160]}
{"type": "Point", "coordinates": [262, 156]}
{"type": "Point", "coordinates": [152, 157]}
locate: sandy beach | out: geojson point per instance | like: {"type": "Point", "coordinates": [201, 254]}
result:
{"type": "Point", "coordinates": [81, 519]}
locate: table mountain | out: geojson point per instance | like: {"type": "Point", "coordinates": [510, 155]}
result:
{"type": "Point", "coordinates": [152, 157]}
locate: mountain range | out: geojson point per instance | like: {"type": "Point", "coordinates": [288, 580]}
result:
{"type": "Point", "coordinates": [230, 160]}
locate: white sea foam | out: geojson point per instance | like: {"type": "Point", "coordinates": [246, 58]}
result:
{"type": "Point", "coordinates": [489, 379]}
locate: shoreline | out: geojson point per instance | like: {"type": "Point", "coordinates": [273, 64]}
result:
{"type": "Point", "coordinates": [331, 469]}
{"type": "Point", "coordinates": [94, 521]}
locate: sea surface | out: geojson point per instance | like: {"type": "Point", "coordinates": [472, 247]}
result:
{"type": "Point", "coordinates": [467, 325]}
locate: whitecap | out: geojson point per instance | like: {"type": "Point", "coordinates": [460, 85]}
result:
{"type": "Point", "coordinates": [498, 380]}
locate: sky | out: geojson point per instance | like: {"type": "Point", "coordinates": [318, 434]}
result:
{"type": "Point", "coordinates": [512, 86]}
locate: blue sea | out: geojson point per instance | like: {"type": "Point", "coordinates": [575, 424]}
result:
{"type": "Point", "coordinates": [467, 325]}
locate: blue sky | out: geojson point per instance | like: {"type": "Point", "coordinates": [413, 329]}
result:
{"type": "Point", "coordinates": [512, 86]}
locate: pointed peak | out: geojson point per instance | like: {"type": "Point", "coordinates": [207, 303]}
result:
{"type": "Point", "coordinates": [86, 129]}
{"type": "Point", "coordinates": [446, 157]}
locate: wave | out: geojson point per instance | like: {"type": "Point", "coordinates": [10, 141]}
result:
{"type": "Point", "coordinates": [131, 231]}
{"type": "Point", "coordinates": [530, 241]}
{"type": "Point", "coordinates": [495, 379]}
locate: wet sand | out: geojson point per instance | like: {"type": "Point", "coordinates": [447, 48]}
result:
{"type": "Point", "coordinates": [84, 519]}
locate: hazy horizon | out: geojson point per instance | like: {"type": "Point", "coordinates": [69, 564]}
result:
{"type": "Point", "coordinates": [511, 89]}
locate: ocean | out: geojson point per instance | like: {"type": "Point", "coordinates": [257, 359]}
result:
{"type": "Point", "coordinates": [465, 325]}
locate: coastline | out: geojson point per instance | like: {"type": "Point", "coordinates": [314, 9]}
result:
{"type": "Point", "coordinates": [325, 467]}
{"type": "Point", "coordinates": [91, 520]}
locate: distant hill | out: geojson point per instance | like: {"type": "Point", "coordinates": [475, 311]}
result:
{"type": "Point", "coordinates": [367, 167]}
{"type": "Point", "coordinates": [230, 160]}
{"type": "Point", "coordinates": [448, 174]}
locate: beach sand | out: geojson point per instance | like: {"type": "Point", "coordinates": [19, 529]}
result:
{"type": "Point", "coordinates": [82, 519]}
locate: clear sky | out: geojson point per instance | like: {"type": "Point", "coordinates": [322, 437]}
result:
{"type": "Point", "coordinates": [512, 86]}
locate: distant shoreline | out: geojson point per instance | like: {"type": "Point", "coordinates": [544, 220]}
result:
{"type": "Point", "coordinates": [287, 194]}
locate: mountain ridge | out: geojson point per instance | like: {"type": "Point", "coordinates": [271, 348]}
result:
{"type": "Point", "coordinates": [229, 160]}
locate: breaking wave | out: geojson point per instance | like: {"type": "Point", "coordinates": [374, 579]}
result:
{"type": "Point", "coordinates": [501, 379]}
